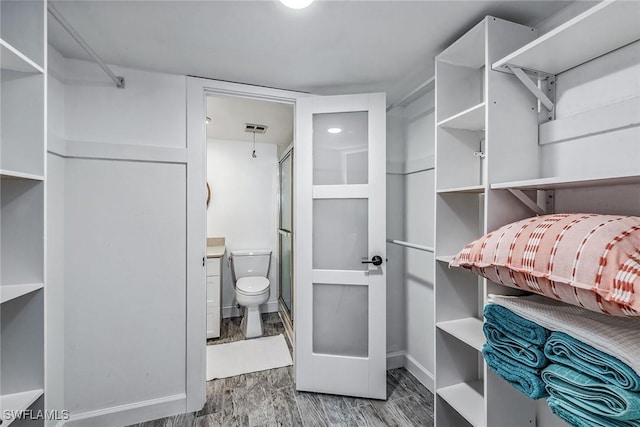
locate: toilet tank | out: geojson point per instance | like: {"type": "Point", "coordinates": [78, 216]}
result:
{"type": "Point", "coordinates": [247, 263]}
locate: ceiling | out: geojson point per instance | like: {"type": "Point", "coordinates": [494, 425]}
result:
{"type": "Point", "coordinates": [229, 114]}
{"type": "Point", "coordinates": [331, 47]}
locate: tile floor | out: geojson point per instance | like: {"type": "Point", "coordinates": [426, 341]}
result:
{"type": "Point", "coordinates": [269, 398]}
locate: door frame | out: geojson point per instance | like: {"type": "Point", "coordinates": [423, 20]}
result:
{"type": "Point", "coordinates": [196, 98]}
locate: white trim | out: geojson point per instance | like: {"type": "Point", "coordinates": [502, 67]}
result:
{"type": "Point", "coordinates": [130, 413]}
{"type": "Point", "coordinates": [395, 167]}
{"type": "Point", "coordinates": [421, 373]}
{"type": "Point", "coordinates": [142, 153]}
{"type": "Point", "coordinates": [396, 359]}
{"type": "Point", "coordinates": [355, 191]}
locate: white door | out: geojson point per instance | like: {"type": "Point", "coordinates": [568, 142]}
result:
{"type": "Point", "coordinates": [340, 191]}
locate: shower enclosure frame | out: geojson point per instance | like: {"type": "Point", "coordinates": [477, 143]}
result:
{"type": "Point", "coordinates": [286, 312]}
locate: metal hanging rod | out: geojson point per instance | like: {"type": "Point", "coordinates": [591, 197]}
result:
{"type": "Point", "coordinates": [411, 245]}
{"type": "Point", "coordinates": [119, 81]}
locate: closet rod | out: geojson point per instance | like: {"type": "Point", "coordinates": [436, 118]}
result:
{"type": "Point", "coordinates": [423, 88]}
{"type": "Point", "coordinates": [73, 33]}
{"type": "Point", "coordinates": [411, 245]}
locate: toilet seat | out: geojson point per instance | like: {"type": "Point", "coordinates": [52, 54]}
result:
{"type": "Point", "coordinates": [252, 285]}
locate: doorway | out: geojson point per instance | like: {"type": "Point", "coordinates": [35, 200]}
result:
{"type": "Point", "coordinates": [369, 368]}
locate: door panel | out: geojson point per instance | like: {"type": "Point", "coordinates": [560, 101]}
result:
{"type": "Point", "coordinates": [340, 222]}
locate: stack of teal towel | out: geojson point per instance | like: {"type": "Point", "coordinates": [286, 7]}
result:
{"type": "Point", "coordinates": [588, 387]}
{"type": "Point", "coordinates": [514, 349]}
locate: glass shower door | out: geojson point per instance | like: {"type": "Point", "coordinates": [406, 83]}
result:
{"type": "Point", "coordinates": [285, 234]}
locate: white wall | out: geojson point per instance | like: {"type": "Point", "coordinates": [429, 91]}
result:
{"type": "Point", "coordinates": [396, 308]}
{"type": "Point", "coordinates": [410, 210]}
{"type": "Point", "coordinates": [243, 207]}
{"type": "Point", "coordinates": [419, 220]}
{"type": "Point", "coordinates": [150, 111]}
{"type": "Point", "coordinates": [125, 289]}
{"type": "Point", "coordinates": [117, 225]}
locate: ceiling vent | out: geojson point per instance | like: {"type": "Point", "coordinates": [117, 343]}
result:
{"type": "Point", "coordinates": [254, 128]}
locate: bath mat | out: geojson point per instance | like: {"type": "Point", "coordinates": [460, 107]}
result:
{"type": "Point", "coordinates": [242, 357]}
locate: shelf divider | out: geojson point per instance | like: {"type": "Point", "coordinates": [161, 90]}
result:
{"type": "Point", "coordinates": [9, 292]}
{"type": "Point", "coordinates": [477, 189]}
{"type": "Point", "coordinates": [445, 258]}
{"type": "Point", "coordinates": [9, 174]}
{"type": "Point", "coordinates": [467, 330]}
{"type": "Point", "coordinates": [469, 119]}
{"type": "Point", "coordinates": [18, 402]}
{"type": "Point", "coordinates": [467, 399]}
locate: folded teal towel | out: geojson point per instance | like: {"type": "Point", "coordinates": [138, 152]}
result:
{"type": "Point", "coordinates": [508, 322]}
{"type": "Point", "coordinates": [590, 394]}
{"type": "Point", "coordinates": [566, 350]}
{"type": "Point", "coordinates": [579, 418]}
{"type": "Point", "coordinates": [515, 347]}
{"type": "Point", "coordinates": [521, 377]}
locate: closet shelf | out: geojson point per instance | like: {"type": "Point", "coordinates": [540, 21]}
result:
{"type": "Point", "coordinates": [444, 258]}
{"type": "Point", "coordinates": [554, 183]}
{"type": "Point", "coordinates": [467, 330]}
{"type": "Point", "coordinates": [467, 399]}
{"type": "Point", "coordinates": [18, 402]}
{"type": "Point", "coordinates": [469, 119]}
{"type": "Point", "coordinates": [9, 174]}
{"type": "Point", "coordinates": [9, 292]}
{"type": "Point", "coordinates": [477, 189]}
{"type": "Point", "coordinates": [12, 59]}
{"type": "Point", "coordinates": [605, 27]}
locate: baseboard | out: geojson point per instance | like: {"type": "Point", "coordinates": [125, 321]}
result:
{"type": "Point", "coordinates": [420, 372]}
{"type": "Point", "coordinates": [395, 359]}
{"type": "Point", "coordinates": [128, 414]}
{"type": "Point", "coordinates": [234, 311]}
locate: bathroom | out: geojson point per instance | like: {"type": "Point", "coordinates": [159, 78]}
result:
{"type": "Point", "coordinates": [249, 153]}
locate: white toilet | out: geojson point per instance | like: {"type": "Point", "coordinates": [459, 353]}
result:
{"type": "Point", "coordinates": [250, 269]}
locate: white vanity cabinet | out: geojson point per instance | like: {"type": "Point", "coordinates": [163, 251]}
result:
{"type": "Point", "coordinates": [214, 297]}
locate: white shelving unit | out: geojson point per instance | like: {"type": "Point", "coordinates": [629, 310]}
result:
{"type": "Point", "coordinates": [22, 209]}
{"type": "Point", "coordinates": [480, 167]}
{"type": "Point", "coordinates": [477, 110]}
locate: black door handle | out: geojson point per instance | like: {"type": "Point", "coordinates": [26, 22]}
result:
{"type": "Point", "coordinates": [375, 260]}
